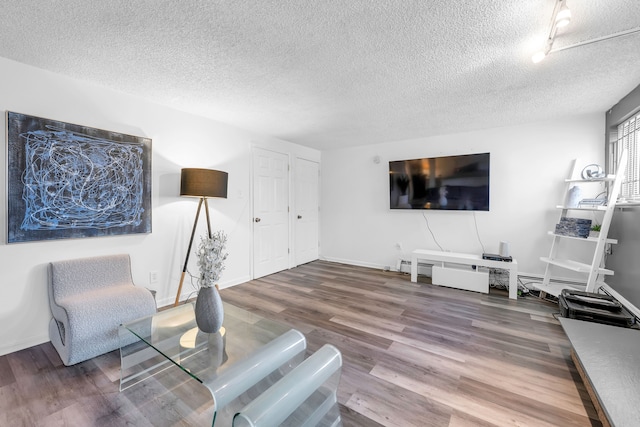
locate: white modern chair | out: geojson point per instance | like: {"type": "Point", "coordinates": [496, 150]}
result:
{"type": "Point", "coordinates": [89, 299]}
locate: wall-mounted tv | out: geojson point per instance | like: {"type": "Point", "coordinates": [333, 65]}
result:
{"type": "Point", "coordinates": [445, 183]}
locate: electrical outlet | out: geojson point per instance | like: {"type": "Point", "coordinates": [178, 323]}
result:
{"type": "Point", "coordinates": [153, 277]}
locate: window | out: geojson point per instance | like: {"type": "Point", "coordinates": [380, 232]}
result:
{"type": "Point", "coordinates": [628, 137]}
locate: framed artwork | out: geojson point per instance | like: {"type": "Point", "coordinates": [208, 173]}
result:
{"type": "Point", "coordinates": [70, 181]}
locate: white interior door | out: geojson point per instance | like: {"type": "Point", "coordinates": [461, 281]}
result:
{"type": "Point", "coordinates": [306, 185]}
{"type": "Point", "coordinates": [270, 212]}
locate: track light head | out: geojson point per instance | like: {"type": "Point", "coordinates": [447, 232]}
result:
{"type": "Point", "coordinates": [564, 16]}
{"type": "Point", "coordinates": [538, 56]}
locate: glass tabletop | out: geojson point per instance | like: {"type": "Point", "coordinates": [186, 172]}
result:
{"type": "Point", "coordinates": [247, 355]}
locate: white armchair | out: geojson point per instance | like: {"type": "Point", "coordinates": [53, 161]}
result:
{"type": "Point", "coordinates": [89, 299]}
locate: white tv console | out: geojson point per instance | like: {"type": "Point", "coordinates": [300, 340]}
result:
{"type": "Point", "coordinates": [450, 275]}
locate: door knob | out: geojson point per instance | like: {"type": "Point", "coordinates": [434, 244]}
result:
{"type": "Point", "coordinates": [299, 216]}
{"type": "Point", "coordinates": [257, 220]}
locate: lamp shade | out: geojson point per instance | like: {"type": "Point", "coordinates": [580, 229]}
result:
{"type": "Point", "coordinates": [203, 183]}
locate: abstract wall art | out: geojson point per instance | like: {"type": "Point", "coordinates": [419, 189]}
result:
{"type": "Point", "coordinates": [70, 181]}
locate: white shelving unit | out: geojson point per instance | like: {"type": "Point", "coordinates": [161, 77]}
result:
{"type": "Point", "coordinates": [594, 270]}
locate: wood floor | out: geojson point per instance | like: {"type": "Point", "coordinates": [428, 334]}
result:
{"type": "Point", "coordinates": [413, 355]}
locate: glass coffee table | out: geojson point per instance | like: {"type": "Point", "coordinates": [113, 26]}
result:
{"type": "Point", "coordinates": [237, 364]}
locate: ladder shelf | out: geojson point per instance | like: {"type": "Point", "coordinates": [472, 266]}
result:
{"type": "Point", "coordinates": [594, 270]}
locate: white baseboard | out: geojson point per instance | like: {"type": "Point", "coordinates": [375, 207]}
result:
{"type": "Point", "coordinates": [354, 262]}
{"type": "Point", "coordinates": [237, 281]}
{"type": "Point", "coordinates": [423, 269]}
{"type": "Point", "coordinates": [25, 343]}
{"type": "Point", "coordinates": [539, 277]}
{"type": "Point", "coordinates": [170, 300]}
{"type": "Point", "coordinates": [405, 267]}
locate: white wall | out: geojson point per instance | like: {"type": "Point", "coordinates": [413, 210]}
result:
{"type": "Point", "coordinates": [179, 140]}
{"type": "Point", "coordinates": [528, 166]}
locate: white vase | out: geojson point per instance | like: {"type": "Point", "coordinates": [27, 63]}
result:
{"type": "Point", "coordinates": [208, 310]}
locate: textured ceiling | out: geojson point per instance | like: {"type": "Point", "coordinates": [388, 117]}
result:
{"type": "Point", "coordinates": [330, 74]}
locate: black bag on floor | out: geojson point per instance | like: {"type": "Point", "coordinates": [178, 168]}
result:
{"type": "Point", "coordinates": [594, 308]}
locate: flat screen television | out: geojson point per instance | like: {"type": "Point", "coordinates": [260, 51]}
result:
{"type": "Point", "coordinates": [444, 183]}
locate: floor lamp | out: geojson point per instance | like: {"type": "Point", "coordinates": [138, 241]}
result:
{"type": "Point", "coordinates": [201, 183]}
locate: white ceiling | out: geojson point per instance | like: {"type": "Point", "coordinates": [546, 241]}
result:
{"type": "Point", "coordinates": [331, 74]}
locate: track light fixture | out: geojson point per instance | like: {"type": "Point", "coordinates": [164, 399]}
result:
{"type": "Point", "coordinates": [560, 18]}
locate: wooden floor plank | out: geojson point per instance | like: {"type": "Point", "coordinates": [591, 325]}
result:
{"type": "Point", "coordinates": [414, 354]}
